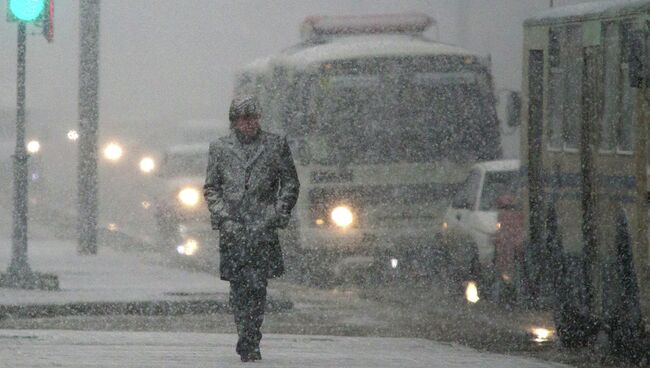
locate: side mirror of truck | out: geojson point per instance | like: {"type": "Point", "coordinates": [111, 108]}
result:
{"type": "Point", "coordinates": [513, 109]}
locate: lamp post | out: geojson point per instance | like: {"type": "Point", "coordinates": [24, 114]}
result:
{"type": "Point", "coordinates": [19, 274]}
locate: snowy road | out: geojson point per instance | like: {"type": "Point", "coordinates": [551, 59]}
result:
{"type": "Point", "coordinates": [41, 348]}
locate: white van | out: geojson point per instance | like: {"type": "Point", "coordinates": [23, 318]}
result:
{"type": "Point", "coordinates": [471, 221]}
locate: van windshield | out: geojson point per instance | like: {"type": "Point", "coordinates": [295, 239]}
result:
{"type": "Point", "coordinates": [496, 184]}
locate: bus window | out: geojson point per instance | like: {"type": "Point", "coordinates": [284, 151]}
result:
{"type": "Point", "coordinates": [571, 59]}
{"type": "Point", "coordinates": [556, 91]}
{"type": "Point", "coordinates": [565, 58]}
{"type": "Point", "coordinates": [611, 109]}
{"type": "Point", "coordinates": [628, 116]}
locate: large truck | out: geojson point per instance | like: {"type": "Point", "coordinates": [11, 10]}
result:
{"type": "Point", "coordinates": [384, 124]}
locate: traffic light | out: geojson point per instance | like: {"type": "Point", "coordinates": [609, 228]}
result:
{"type": "Point", "coordinates": [28, 11]}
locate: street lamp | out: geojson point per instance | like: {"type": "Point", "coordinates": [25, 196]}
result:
{"type": "Point", "coordinates": [19, 274]}
{"type": "Point", "coordinates": [73, 135]}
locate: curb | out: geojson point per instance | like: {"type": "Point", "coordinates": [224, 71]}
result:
{"type": "Point", "coordinates": [140, 308]}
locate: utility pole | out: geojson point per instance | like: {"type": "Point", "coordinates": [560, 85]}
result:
{"type": "Point", "coordinates": [88, 122]}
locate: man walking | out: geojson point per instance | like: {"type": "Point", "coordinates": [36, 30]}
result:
{"type": "Point", "coordinates": [251, 187]}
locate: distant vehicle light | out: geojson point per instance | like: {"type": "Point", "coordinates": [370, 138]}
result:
{"type": "Point", "coordinates": [394, 263]}
{"type": "Point", "coordinates": [541, 334]}
{"type": "Point", "coordinates": [471, 292]}
{"type": "Point", "coordinates": [320, 222]}
{"type": "Point", "coordinates": [147, 165]}
{"type": "Point", "coordinates": [113, 151]}
{"type": "Point", "coordinates": [445, 226]}
{"type": "Point", "coordinates": [112, 227]}
{"type": "Point", "coordinates": [73, 135]}
{"type": "Point", "coordinates": [33, 146]}
{"type": "Point", "coordinates": [189, 248]}
{"type": "Point", "coordinates": [498, 226]}
{"type": "Point", "coordinates": [189, 196]}
{"type": "Point", "coordinates": [342, 216]}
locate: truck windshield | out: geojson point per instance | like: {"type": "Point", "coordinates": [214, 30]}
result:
{"type": "Point", "coordinates": [418, 117]}
{"type": "Point", "coordinates": [496, 184]}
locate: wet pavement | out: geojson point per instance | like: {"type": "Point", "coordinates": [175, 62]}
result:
{"type": "Point", "coordinates": [55, 348]}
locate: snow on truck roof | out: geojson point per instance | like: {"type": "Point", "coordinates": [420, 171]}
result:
{"type": "Point", "coordinates": [330, 38]}
{"type": "Point", "coordinates": [317, 27]}
{"type": "Point", "coordinates": [257, 66]}
{"type": "Point", "coordinates": [354, 47]}
{"type": "Point", "coordinates": [594, 10]}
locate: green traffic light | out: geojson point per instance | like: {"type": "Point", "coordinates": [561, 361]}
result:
{"type": "Point", "coordinates": [26, 10]}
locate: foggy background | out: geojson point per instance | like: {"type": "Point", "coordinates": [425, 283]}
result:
{"type": "Point", "coordinates": [165, 61]}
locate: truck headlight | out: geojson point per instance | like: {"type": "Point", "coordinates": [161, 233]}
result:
{"type": "Point", "coordinates": [342, 216]}
{"type": "Point", "coordinates": [189, 196]}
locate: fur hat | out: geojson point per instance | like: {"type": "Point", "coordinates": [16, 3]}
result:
{"type": "Point", "coordinates": [246, 105]}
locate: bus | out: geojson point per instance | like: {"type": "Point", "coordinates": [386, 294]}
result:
{"type": "Point", "coordinates": [585, 161]}
{"type": "Point", "coordinates": [384, 124]}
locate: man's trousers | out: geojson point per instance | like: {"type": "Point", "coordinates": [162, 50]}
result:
{"type": "Point", "coordinates": [248, 299]}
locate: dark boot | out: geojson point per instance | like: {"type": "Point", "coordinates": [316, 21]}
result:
{"type": "Point", "coordinates": [251, 356]}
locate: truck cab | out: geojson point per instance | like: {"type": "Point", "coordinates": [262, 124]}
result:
{"type": "Point", "coordinates": [471, 221]}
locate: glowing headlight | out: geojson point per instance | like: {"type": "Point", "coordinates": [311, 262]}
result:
{"type": "Point", "coordinates": [33, 146]}
{"type": "Point", "coordinates": [113, 151]}
{"type": "Point", "coordinates": [471, 292]}
{"type": "Point", "coordinates": [542, 334]}
{"type": "Point", "coordinates": [342, 216]}
{"type": "Point", "coordinates": [147, 165]}
{"type": "Point", "coordinates": [189, 196]}
{"type": "Point", "coordinates": [189, 248]}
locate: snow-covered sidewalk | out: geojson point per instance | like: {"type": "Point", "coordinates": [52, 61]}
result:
{"type": "Point", "coordinates": [111, 276]}
{"type": "Point", "coordinates": [51, 348]}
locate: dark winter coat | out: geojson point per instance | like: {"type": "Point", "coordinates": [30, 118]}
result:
{"type": "Point", "coordinates": [249, 200]}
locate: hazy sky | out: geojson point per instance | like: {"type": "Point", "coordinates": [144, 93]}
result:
{"type": "Point", "coordinates": [163, 61]}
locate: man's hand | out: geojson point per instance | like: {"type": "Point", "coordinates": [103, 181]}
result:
{"type": "Point", "coordinates": [231, 226]}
